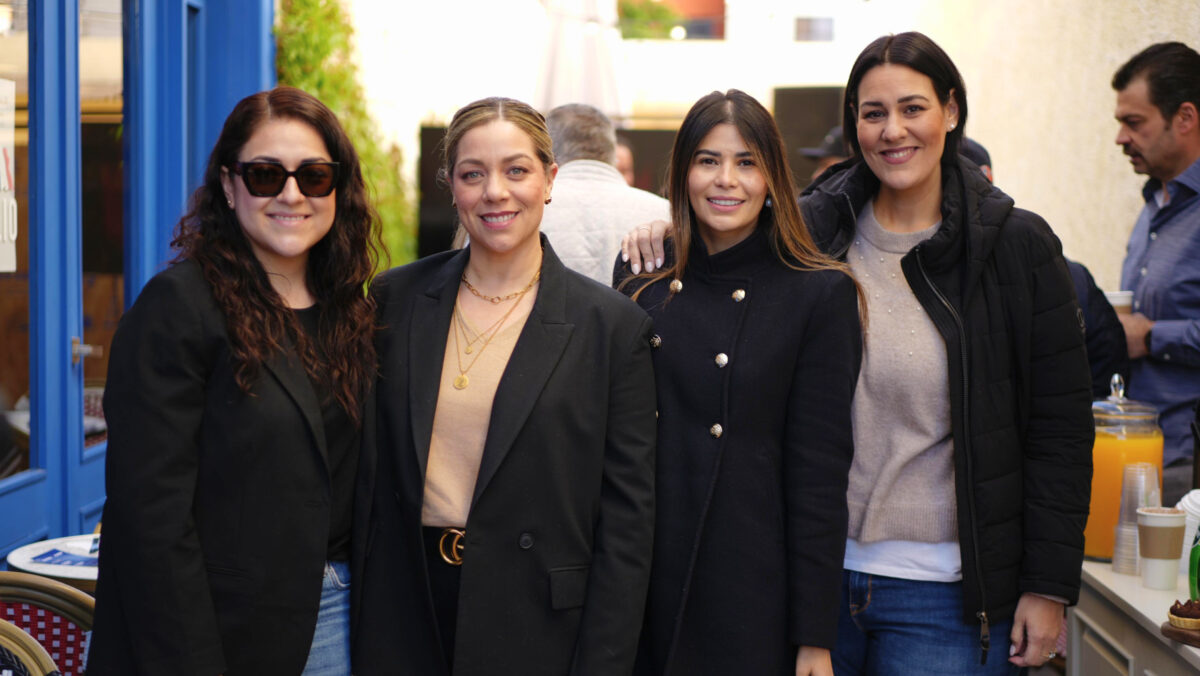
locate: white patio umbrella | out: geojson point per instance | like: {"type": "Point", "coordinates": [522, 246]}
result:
{"type": "Point", "coordinates": [579, 62]}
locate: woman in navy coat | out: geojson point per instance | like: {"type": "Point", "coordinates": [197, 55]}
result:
{"type": "Point", "coordinates": [756, 352]}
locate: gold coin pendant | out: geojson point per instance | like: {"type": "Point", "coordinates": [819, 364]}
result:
{"type": "Point", "coordinates": [469, 349]}
{"type": "Point", "coordinates": [461, 382]}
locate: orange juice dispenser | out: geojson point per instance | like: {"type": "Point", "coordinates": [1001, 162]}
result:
{"type": "Point", "coordinates": [1126, 431]}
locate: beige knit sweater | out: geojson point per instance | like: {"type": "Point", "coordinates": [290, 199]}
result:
{"type": "Point", "coordinates": [902, 479]}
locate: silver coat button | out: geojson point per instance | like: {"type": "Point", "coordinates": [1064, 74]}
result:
{"type": "Point", "coordinates": [721, 360]}
{"type": "Point", "coordinates": [716, 431]}
{"type": "Point", "coordinates": [739, 295]}
{"type": "Point", "coordinates": [676, 286]}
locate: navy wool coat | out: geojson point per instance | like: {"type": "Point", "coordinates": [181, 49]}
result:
{"type": "Point", "coordinates": [756, 365]}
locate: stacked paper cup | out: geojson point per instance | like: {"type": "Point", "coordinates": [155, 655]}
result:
{"type": "Point", "coordinates": [1139, 488]}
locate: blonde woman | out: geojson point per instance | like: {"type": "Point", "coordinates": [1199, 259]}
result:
{"type": "Point", "coordinates": [511, 510]}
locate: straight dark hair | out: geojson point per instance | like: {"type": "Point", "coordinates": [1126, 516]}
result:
{"type": "Point", "coordinates": [342, 354]}
{"type": "Point", "coordinates": [1172, 72]}
{"type": "Point", "coordinates": [914, 50]}
{"type": "Point", "coordinates": [789, 237]}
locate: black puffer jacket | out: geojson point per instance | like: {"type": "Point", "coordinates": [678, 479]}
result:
{"type": "Point", "coordinates": [994, 282]}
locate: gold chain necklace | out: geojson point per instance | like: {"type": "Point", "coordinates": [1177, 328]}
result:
{"type": "Point", "coordinates": [461, 381]}
{"type": "Point", "coordinates": [462, 321]}
{"type": "Point", "coordinates": [496, 300]}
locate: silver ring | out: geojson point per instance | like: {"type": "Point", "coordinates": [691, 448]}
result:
{"type": "Point", "coordinates": [1051, 655]}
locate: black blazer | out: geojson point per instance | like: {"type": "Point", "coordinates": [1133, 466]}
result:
{"type": "Point", "coordinates": [559, 534]}
{"type": "Point", "coordinates": [217, 518]}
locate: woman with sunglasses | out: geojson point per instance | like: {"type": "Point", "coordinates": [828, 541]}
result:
{"type": "Point", "coordinates": [513, 495]}
{"type": "Point", "coordinates": [234, 401]}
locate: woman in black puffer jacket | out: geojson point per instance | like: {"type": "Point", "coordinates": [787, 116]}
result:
{"type": "Point", "coordinates": [973, 431]}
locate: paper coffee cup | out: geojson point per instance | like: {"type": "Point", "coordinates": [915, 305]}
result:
{"type": "Point", "coordinates": [1160, 543]}
{"type": "Point", "coordinates": [1122, 301]}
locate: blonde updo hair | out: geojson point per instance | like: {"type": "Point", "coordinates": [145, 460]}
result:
{"type": "Point", "coordinates": [488, 110]}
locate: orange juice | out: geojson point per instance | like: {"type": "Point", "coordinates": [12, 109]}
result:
{"type": "Point", "coordinates": [1115, 447]}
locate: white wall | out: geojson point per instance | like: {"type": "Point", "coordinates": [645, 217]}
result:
{"type": "Point", "coordinates": [1037, 74]}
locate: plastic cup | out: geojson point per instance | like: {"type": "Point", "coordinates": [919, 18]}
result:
{"type": "Point", "coordinates": [1125, 549]}
{"type": "Point", "coordinates": [1139, 488]}
{"type": "Point", "coordinates": [1160, 544]}
{"type": "Point", "coordinates": [1122, 301]}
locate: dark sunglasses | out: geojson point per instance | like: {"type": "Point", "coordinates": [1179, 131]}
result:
{"type": "Point", "coordinates": [266, 179]}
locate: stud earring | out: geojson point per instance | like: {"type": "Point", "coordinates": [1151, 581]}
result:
{"type": "Point", "coordinates": [549, 199]}
{"type": "Point", "coordinates": [952, 126]}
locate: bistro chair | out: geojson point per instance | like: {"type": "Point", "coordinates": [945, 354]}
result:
{"type": "Point", "coordinates": [20, 655]}
{"type": "Point", "coordinates": [56, 615]}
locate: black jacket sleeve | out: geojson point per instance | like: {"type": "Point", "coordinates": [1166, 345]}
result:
{"type": "Point", "coordinates": [1106, 349]}
{"type": "Point", "coordinates": [153, 576]}
{"type": "Point", "coordinates": [818, 451]}
{"type": "Point", "coordinates": [1057, 464]}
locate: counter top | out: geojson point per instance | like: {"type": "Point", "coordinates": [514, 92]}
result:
{"type": "Point", "coordinates": [1145, 607]}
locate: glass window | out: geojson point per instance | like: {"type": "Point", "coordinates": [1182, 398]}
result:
{"type": "Point", "coordinates": [102, 181]}
{"type": "Point", "coordinates": [14, 236]}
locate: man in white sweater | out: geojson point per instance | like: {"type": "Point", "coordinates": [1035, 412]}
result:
{"type": "Point", "coordinates": [592, 206]}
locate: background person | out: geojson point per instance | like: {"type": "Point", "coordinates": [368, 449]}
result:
{"type": "Point", "coordinates": [756, 350]}
{"type": "Point", "coordinates": [1158, 109]}
{"type": "Point", "coordinates": [234, 403]}
{"type": "Point", "coordinates": [593, 205]}
{"type": "Point", "coordinates": [513, 500]}
{"type": "Point", "coordinates": [831, 151]}
{"type": "Point", "coordinates": [623, 159]}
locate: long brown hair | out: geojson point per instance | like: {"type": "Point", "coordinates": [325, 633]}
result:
{"type": "Point", "coordinates": [789, 237]}
{"type": "Point", "coordinates": [341, 356]}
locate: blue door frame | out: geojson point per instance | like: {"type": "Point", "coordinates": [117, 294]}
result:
{"type": "Point", "coordinates": [186, 62]}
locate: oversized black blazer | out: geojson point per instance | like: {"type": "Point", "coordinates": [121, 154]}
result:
{"type": "Point", "coordinates": [558, 541]}
{"type": "Point", "coordinates": [216, 524]}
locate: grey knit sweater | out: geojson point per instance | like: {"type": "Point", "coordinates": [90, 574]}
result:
{"type": "Point", "coordinates": [902, 479]}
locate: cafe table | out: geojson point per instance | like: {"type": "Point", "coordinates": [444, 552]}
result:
{"type": "Point", "coordinates": [1115, 629]}
{"type": "Point", "coordinates": [72, 560]}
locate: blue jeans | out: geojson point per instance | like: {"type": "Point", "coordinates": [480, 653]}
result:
{"type": "Point", "coordinates": [892, 626]}
{"type": "Point", "coordinates": [330, 652]}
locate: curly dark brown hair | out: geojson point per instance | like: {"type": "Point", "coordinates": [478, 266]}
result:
{"type": "Point", "coordinates": [342, 357]}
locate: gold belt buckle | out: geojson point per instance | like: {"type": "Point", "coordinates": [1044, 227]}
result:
{"type": "Point", "coordinates": [452, 553]}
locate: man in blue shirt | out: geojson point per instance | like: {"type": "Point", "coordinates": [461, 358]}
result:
{"type": "Point", "coordinates": [1158, 108]}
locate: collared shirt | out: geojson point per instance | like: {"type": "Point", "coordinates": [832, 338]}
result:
{"type": "Point", "coordinates": [1162, 268]}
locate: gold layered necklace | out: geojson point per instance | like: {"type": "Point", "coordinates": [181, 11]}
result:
{"type": "Point", "coordinates": [496, 300]}
{"type": "Point", "coordinates": [461, 381]}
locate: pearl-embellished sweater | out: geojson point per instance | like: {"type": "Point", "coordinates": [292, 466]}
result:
{"type": "Point", "coordinates": [902, 479]}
